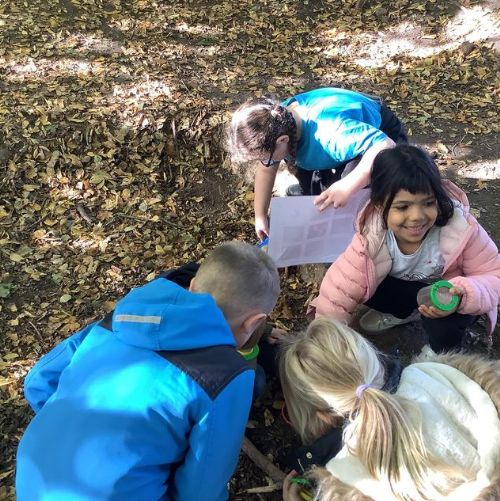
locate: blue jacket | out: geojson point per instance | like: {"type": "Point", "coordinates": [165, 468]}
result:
{"type": "Point", "coordinates": [149, 405]}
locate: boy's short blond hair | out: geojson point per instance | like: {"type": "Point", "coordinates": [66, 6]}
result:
{"type": "Point", "coordinates": [241, 278]}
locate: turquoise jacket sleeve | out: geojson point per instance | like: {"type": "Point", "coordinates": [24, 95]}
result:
{"type": "Point", "coordinates": [214, 445]}
{"type": "Point", "coordinates": [43, 379]}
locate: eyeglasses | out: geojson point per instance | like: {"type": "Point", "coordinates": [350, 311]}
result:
{"type": "Point", "coordinates": [270, 162]}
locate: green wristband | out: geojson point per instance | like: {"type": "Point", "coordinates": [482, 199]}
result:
{"type": "Point", "coordinates": [251, 354]}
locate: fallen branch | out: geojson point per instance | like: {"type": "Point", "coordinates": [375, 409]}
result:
{"type": "Point", "coordinates": [262, 461]}
{"type": "Point", "coordinates": [264, 489]}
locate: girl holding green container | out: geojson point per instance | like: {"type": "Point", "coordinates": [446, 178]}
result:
{"type": "Point", "coordinates": [418, 253]}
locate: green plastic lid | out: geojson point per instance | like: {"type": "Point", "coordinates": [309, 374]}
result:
{"type": "Point", "coordinates": [251, 354]}
{"type": "Point", "coordinates": [434, 296]}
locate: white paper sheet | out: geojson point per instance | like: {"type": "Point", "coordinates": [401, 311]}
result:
{"type": "Point", "coordinates": [300, 234]}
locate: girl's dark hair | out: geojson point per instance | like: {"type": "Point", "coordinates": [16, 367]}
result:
{"type": "Point", "coordinates": [407, 167]}
{"type": "Point", "coordinates": [256, 125]}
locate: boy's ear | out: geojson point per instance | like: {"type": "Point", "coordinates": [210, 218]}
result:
{"type": "Point", "coordinates": [249, 325]}
{"type": "Point", "coordinates": [191, 285]}
{"type": "Point", "coordinates": [253, 321]}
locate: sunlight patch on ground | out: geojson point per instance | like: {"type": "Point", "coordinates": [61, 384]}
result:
{"type": "Point", "coordinates": [135, 97]}
{"type": "Point", "coordinates": [45, 238]}
{"type": "Point", "coordinates": [39, 68]}
{"type": "Point", "coordinates": [84, 243]}
{"type": "Point", "coordinates": [472, 24]}
{"type": "Point", "coordinates": [482, 169]}
{"type": "Point", "coordinates": [77, 54]}
{"type": "Point", "coordinates": [143, 91]}
{"type": "Point", "coordinates": [90, 44]}
{"type": "Point", "coordinates": [200, 29]}
{"type": "Point", "coordinates": [283, 180]}
{"type": "Point", "coordinates": [376, 50]}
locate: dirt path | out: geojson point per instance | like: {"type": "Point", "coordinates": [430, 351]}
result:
{"type": "Point", "coordinates": [110, 152]}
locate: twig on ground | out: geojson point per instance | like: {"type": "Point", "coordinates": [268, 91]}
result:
{"type": "Point", "coordinates": [262, 461]}
{"type": "Point", "coordinates": [37, 332]}
{"type": "Point", "coordinates": [264, 489]}
{"type": "Point", "coordinates": [456, 144]}
{"type": "Point", "coordinates": [81, 210]}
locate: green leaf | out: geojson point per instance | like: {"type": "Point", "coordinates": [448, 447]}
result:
{"type": "Point", "coordinates": [5, 290]}
{"type": "Point", "coordinates": [65, 298]}
{"type": "Point", "coordinates": [99, 176]}
{"type": "Point", "coordinates": [15, 257]}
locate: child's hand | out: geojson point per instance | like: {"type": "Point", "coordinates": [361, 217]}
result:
{"type": "Point", "coordinates": [337, 195]}
{"type": "Point", "coordinates": [262, 227]}
{"type": "Point", "coordinates": [291, 492]}
{"type": "Point", "coordinates": [276, 336]}
{"type": "Point", "coordinates": [434, 313]}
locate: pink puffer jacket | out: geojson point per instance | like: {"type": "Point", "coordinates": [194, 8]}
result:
{"type": "Point", "coordinates": [471, 262]}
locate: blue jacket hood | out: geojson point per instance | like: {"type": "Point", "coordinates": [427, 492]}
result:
{"type": "Point", "coordinates": [161, 315]}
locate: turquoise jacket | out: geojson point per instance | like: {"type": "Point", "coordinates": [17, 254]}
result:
{"type": "Point", "coordinates": [337, 126]}
{"type": "Point", "coordinates": [149, 404]}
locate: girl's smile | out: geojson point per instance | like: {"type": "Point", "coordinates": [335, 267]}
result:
{"type": "Point", "coordinates": [410, 217]}
{"type": "Point", "coordinates": [416, 230]}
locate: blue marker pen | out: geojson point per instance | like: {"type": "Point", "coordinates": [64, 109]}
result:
{"type": "Point", "coordinates": [263, 243]}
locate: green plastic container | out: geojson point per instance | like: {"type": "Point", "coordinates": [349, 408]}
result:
{"type": "Point", "coordinates": [438, 295]}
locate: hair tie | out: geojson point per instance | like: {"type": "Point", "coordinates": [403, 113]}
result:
{"type": "Point", "coordinates": [361, 388]}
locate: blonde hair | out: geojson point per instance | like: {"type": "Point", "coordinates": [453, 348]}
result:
{"type": "Point", "coordinates": [241, 278]}
{"type": "Point", "coordinates": [321, 370]}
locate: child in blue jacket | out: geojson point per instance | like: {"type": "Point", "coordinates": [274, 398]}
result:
{"type": "Point", "coordinates": [151, 403]}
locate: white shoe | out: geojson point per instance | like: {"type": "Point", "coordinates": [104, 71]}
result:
{"type": "Point", "coordinates": [374, 321]}
{"type": "Point", "coordinates": [427, 354]}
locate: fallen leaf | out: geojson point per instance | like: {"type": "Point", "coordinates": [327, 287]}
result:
{"type": "Point", "coordinates": [5, 290]}
{"type": "Point", "coordinates": [268, 418]}
{"type": "Point", "coordinates": [442, 148]}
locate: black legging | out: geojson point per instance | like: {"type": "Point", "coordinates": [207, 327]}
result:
{"type": "Point", "coordinates": [399, 298]}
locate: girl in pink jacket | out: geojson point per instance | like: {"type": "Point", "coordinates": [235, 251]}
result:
{"type": "Point", "coordinates": [416, 229]}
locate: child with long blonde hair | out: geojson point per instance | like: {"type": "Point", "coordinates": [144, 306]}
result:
{"type": "Point", "coordinates": [436, 437]}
